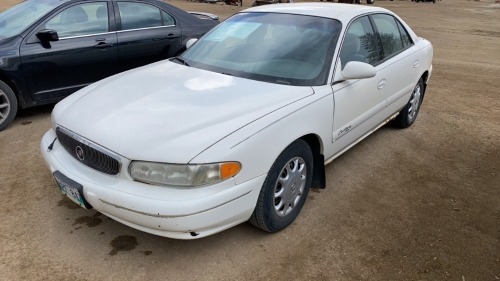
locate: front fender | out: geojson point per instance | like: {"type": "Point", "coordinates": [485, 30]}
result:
{"type": "Point", "coordinates": [257, 145]}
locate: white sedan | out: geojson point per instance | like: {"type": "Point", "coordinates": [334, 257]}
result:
{"type": "Point", "coordinates": [240, 126]}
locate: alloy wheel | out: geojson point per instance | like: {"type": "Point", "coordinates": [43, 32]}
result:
{"type": "Point", "coordinates": [4, 106]}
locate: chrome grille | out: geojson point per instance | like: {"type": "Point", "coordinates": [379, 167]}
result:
{"type": "Point", "coordinates": [87, 153]}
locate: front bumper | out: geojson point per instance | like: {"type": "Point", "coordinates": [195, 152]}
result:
{"type": "Point", "coordinates": [182, 213]}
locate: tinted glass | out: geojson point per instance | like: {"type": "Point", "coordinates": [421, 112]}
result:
{"type": "Point", "coordinates": [389, 34]}
{"type": "Point", "coordinates": [360, 43]}
{"type": "Point", "coordinates": [277, 48]}
{"type": "Point", "coordinates": [167, 19]}
{"type": "Point", "coordinates": [79, 20]}
{"type": "Point", "coordinates": [138, 15]}
{"type": "Point", "coordinates": [18, 18]}
{"type": "Point", "coordinates": [404, 36]}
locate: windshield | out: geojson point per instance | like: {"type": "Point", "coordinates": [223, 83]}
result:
{"type": "Point", "coordinates": [277, 48]}
{"type": "Point", "coordinates": [18, 18]}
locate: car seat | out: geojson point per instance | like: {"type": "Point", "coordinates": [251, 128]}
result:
{"type": "Point", "coordinates": [351, 49]}
{"type": "Point", "coordinates": [75, 14]}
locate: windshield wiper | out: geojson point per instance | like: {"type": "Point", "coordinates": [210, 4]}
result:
{"type": "Point", "coordinates": [181, 60]}
{"type": "Point", "coordinates": [282, 82]}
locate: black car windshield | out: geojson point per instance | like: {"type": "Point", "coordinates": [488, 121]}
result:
{"type": "Point", "coordinates": [18, 18]}
{"type": "Point", "coordinates": [277, 48]}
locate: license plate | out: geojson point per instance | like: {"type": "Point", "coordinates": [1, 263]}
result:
{"type": "Point", "coordinates": [72, 189]}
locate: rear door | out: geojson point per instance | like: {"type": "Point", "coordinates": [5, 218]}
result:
{"type": "Point", "coordinates": [400, 62]}
{"type": "Point", "coordinates": [85, 53]}
{"type": "Point", "coordinates": [147, 34]}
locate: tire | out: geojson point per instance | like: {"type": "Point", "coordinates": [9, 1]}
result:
{"type": "Point", "coordinates": [285, 189]}
{"type": "Point", "coordinates": [408, 114]}
{"type": "Point", "coordinates": [370, 1]}
{"type": "Point", "coordinates": [8, 105]}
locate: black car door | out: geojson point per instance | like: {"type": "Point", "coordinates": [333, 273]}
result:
{"type": "Point", "coordinates": [146, 34]}
{"type": "Point", "coordinates": [85, 52]}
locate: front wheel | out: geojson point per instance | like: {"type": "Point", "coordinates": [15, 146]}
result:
{"type": "Point", "coordinates": [8, 105]}
{"type": "Point", "coordinates": [285, 189]}
{"type": "Point", "coordinates": [409, 113]}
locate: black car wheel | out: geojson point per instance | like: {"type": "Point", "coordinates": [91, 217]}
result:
{"type": "Point", "coordinates": [285, 189]}
{"type": "Point", "coordinates": [409, 113]}
{"type": "Point", "coordinates": [370, 1]}
{"type": "Point", "coordinates": [8, 105]}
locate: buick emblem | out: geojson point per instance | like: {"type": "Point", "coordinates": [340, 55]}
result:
{"type": "Point", "coordinates": [79, 153]}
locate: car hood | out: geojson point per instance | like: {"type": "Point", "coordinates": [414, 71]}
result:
{"type": "Point", "coordinates": [166, 112]}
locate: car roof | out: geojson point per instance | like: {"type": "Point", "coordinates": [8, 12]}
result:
{"type": "Point", "coordinates": [342, 12]}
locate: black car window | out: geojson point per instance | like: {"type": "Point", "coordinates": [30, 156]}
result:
{"type": "Point", "coordinates": [388, 30]}
{"type": "Point", "coordinates": [360, 43]}
{"type": "Point", "coordinates": [139, 15]}
{"type": "Point", "coordinates": [79, 20]}
{"type": "Point", "coordinates": [167, 19]}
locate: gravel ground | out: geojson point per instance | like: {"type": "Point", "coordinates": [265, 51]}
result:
{"type": "Point", "coordinates": [415, 204]}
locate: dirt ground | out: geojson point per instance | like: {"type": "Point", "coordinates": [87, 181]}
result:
{"type": "Point", "coordinates": [415, 204]}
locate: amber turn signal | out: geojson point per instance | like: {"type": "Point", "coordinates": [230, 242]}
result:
{"type": "Point", "coordinates": [229, 169]}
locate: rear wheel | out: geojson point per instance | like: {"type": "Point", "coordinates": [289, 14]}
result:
{"type": "Point", "coordinates": [409, 113]}
{"type": "Point", "coordinates": [285, 189]}
{"type": "Point", "coordinates": [8, 105]}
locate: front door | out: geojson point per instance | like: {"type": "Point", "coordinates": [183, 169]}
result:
{"type": "Point", "coordinates": [85, 53]}
{"type": "Point", "coordinates": [358, 102]}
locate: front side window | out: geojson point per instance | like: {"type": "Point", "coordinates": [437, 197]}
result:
{"type": "Point", "coordinates": [139, 15]}
{"type": "Point", "coordinates": [388, 30]}
{"type": "Point", "coordinates": [18, 18]}
{"type": "Point", "coordinates": [80, 20]}
{"type": "Point", "coordinates": [360, 43]}
{"type": "Point", "coordinates": [276, 48]}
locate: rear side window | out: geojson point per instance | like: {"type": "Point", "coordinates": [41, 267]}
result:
{"type": "Point", "coordinates": [407, 42]}
{"type": "Point", "coordinates": [390, 36]}
{"type": "Point", "coordinates": [138, 15]}
{"type": "Point", "coordinates": [167, 19]}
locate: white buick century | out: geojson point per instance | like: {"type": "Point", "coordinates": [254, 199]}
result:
{"type": "Point", "coordinates": [240, 126]}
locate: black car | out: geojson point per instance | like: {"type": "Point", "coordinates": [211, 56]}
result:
{"type": "Point", "coordinates": [51, 48]}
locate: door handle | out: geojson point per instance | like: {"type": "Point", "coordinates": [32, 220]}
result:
{"type": "Point", "coordinates": [416, 64]}
{"type": "Point", "coordinates": [172, 36]}
{"type": "Point", "coordinates": [103, 45]}
{"type": "Point", "coordinates": [381, 84]}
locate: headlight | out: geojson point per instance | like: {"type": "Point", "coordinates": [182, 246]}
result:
{"type": "Point", "coordinates": [182, 175]}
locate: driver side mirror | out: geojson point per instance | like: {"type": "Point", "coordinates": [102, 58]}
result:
{"type": "Point", "coordinates": [355, 70]}
{"type": "Point", "coordinates": [47, 35]}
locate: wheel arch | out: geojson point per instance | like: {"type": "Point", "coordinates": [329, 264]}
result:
{"type": "Point", "coordinates": [22, 101]}
{"type": "Point", "coordinates": [4, 78]}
